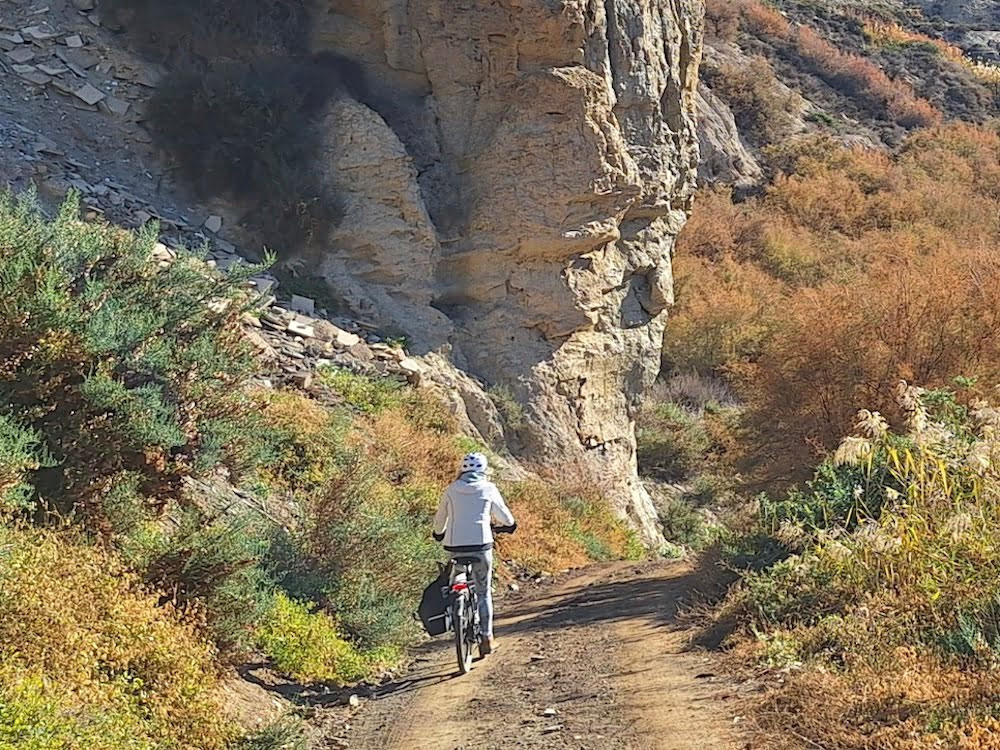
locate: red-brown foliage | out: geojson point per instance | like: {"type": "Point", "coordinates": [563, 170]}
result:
{"type": "Point", "coordinates": [852, 74]}
{"type": "Point", "coordinates": [862, 79]}
{"type": "Point", "coordinates": [851, 272]}
{"type": "Point", "coordinates": [722, 19]}
{"type": "Point", "coordinates": [765, 20]}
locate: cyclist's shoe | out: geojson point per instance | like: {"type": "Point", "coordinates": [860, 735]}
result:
{"type": "Point", "coordinates": [487, 646]}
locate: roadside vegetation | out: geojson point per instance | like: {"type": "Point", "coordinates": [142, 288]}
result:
{"type": "Point", "coordinates": [854, 293]}
{"type": "Point", "coordinates": [847, 274]}
{"type": "Point", "coordinates": [882, 611]}
{"type": "Point", "coordinates": [162, 518]}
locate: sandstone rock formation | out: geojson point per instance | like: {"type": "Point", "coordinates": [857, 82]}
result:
{"type": "Point", "coordinates": [515, 200]}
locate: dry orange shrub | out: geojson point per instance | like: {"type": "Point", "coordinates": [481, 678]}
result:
{"type": "Point", "coordinates": [910, 703]}
{"type": "Point", "coordinates": [763, 19]}
{"type": "Point", "coordinates": [728, 313]}
{"type": "Point", "coordinates": [563, 524]}
{"type": "Point", "coordinates": [855, 270]}
{"type": "Point", "coordinates": [833, 202]}
{"type": "Point", "coordinates": [840, 345]}
{"type": "Point", "coordinates": [718, 227]}
{"type": "Point", "coordinates": [407, 450]}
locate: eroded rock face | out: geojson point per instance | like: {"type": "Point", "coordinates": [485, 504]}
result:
{"type": "Point", "coordinates": [725, 159]}
{"type": "Point", "coordinates": [516, 200]}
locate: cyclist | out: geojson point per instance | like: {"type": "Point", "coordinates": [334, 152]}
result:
{"type": "Point", "coordinates": [463, 523]}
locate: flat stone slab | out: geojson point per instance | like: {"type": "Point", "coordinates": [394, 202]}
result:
{"type": "Point", "coordinates": [89, 95]}
{"type": "Point", "coordinates": [21, 55]}
{"type": "Point", "coordinates": [304, 330]}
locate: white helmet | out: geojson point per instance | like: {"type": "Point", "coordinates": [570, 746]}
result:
{"type": "Point", "coordinates": [474, 462]}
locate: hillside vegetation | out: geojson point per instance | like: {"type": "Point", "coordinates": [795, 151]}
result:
{"type": "Point", "coordinates": [853, 292]}
{"type": "Point", "coordinates": [883, 612]}
{"type": "Point", "coordinates": [127, 587]}
{"type": "Point", "coordinates": [848, 273]}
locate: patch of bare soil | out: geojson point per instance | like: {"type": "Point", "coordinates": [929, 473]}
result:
{"type": "Point", "coordinates": [597, 662]}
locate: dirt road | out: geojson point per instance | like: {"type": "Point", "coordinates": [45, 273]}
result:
{"type": "Point", "coordinates": [595, 662]}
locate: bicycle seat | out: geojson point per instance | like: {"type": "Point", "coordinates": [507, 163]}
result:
{"type": "Point", "coordinates": [467, 560]}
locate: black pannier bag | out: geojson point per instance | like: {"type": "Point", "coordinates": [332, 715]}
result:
{"type": "Point", "coordinates": [433, 610]}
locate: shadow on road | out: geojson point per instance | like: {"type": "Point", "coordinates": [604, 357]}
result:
{"type": "Point", "coordinates": [424, 672]}
{"type": "Point", "coordinates": [643, 592]}
{"type": "Point", "coordinates": [653, 595]}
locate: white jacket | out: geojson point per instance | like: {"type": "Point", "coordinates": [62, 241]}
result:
{"type": "Point", "coordinates": [465, 513]}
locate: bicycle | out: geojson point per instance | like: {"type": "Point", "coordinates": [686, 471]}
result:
{"type": "Point", "coordinates": [464, 608]}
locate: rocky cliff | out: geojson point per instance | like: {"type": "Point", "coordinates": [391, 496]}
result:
{"type": "Point", "coordinates": [515, 201]}
{"type": "Point", "coordinates": [511, 177]}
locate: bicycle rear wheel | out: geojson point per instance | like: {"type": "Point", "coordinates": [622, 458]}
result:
{"type": "Point", "coordinates": [461, 622]}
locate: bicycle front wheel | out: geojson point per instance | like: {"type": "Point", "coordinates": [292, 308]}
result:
{"type": "Point", "coordinates": [461, 620]}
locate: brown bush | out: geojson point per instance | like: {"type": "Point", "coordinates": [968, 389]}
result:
{"type": "Point", "coordinates": [718, 227]}
{"type": "Point", "coordinates": [765, 20]}
{"type": "Point", "coordinates": [908, 703]}
{"type": "Point", "coordinates": [847, 274]}
{"type": "Point", "coordinates": [762, 108]}
{"type": "Point", "coordinates": [722, 19]}
{"type": "Point", "coordinates": [727, 314]}
{"type": "Point", "coordinates": [842, 346]}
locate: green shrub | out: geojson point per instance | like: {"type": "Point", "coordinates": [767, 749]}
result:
{"type": "Point", "coordinates": [705, 490]}
{"type": "Point", "coordinates": [367, 477]}
{"type": "Point", "coordinates": [893, 587]}
{"type": "Point", "coordinates": [672, 443]}
{"type": "Point", "coordinates": [598, 546]}
{"type": "Point", "coordinates": [976, 634]}
{"type": "Point", "coordinates": [306, 645]}
{"type": "Point", "coordinates": [682, 523]}
{"type": "Point", "coordinates": [119, 367]}
{"type": "Point", "coordinates": [370, 395]}
{"type": "Point", "coordinates": [511, 410]}
{"type": "Point", "coordinates": [33, 716]}
{"type": "Point", "coordinates": [373, 595]}
{"type": "Point", "coordinates": [19, 456]}
{"type": "Point", "coordinates": [286, 734]}
{"type": "Point", "coordinates": [215, 561]}
{"type": "Point", "coordinates": [795, 590]}
{"type": "Point", "coordinates": [836, 496]}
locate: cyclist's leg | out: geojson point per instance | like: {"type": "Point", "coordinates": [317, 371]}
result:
{"type": "Point", "coordinates": [483, 572]}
